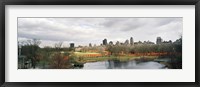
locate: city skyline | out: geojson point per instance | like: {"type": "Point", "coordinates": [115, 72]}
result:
{"type": "Point", "coordinates": [83, 31]}
{"type": "Point", "coordinates": [130, 42]}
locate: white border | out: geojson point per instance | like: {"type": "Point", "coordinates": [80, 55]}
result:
{"type": "Point", "coordinates": [187, 74]}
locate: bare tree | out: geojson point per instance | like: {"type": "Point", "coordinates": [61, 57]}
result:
{"type": "Point", "coordinates": [59, 62]}
{"type": "Point", "coordinates": [30, 49]}
{"type": "Point", "coordinates": [58, 45]}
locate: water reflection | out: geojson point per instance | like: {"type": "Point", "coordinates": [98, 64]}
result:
{"type": "Point", "coordinates": [123, 65]}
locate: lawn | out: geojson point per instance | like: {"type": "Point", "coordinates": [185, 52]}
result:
{"type": "Point", "coordinates": [83, 59]}
{"type": "Point", "coordinates": [84, 53]}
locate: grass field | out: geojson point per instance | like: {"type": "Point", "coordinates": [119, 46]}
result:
{"type": "Point", "coordinates": [84, 53]}
{"type": "Point", "coordinates": [81, 58]}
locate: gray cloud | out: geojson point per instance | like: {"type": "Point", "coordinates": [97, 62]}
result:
{"type": "Point", "coordinates": [83, 31]}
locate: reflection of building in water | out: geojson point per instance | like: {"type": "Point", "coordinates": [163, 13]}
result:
{"type": "Point", "coordinates": [71, 45]}
{"type": "Point", "coordinates": [159, 40]}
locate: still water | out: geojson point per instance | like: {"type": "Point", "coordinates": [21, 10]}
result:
{"type": "Point", "coordinates": [124, 65]}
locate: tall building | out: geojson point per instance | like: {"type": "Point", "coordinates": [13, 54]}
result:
{"type": "Point", "coordinates": [159, 40]}
{"type": "Point", "coordinates": [105, 42]}
{"type": "Point", "coordinates": [117, 43]}
{"type": "Point", "coordinates": [110, 43]}
{"type": "Point", "coordinates": [126, 42]}
{"type": "Point", "coordinates": [90, 45]}
{"type": "Point", "coordinates": [148, 42]}
{"type": "Point", "coordinates": [167, 42]}
{"type": "Point", "coordinates": [71, 45]}
{"type": "Point", "coordinates": [131, 41]}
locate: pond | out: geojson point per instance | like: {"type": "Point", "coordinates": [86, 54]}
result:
{"type": "Point", "coordinates": [124, 65]}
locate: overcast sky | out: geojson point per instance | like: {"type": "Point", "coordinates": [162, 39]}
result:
{"type": "Point", "coordinates": [83, 31]}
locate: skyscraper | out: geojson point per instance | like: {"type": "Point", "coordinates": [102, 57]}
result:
{"type": "Point", "coordinates": [117, 43]}
{"type": "Point", "coordinates": [90, 45]}
{"type": "Point", "coordinates": [71, 45]}
{"type": "Point", "coordinates": [126, 42]}
{"type": "Point", "coordinates": [110, 43]}
{"type": "Point", "coordinates": [105, 42]}
{"type": "Point", "coordinates": [159, 40]}
{"type": "Point", "coordinates": [131, 41]}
